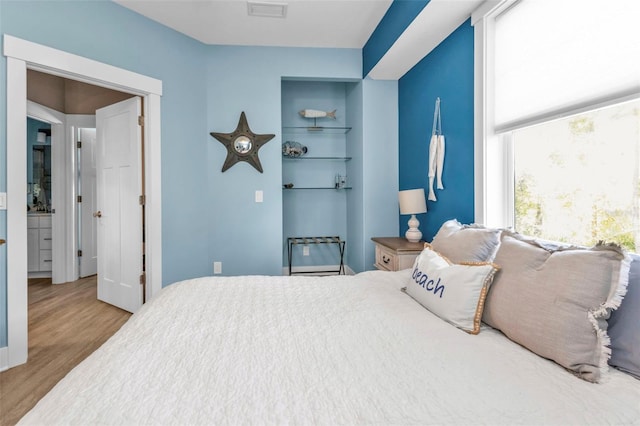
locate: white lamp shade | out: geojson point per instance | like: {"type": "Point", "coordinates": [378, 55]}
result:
{"type": "Point", "coordinates": [412, 201]}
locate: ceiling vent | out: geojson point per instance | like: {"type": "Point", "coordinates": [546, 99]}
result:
{"type": "Point", "coordinates": [267, 9]}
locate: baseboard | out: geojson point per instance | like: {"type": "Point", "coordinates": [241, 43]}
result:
{"type": "Point", "coordinates": [44, 274]}
{"type": "Point", "coordinates": [4, 358]}
{"type": "Point", "coordinates": [317, 270]}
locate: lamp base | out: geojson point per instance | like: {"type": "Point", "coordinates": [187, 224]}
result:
{"type": "Point", "coordinates": [413, 234]}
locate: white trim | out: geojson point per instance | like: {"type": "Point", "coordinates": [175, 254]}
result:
{"type": "Point", "coordinates": [39, 274]}
{"type": "Point", "coordinates": [490, 176]}
{"type": "Point", "coordinates": [153, 191]}
{"type": "Point", "coordinates": [480, 121]}
{"type": "Point", "coordinates": [486, 9]}
{"type": "Point", "coordinates": [68, 65]}
{"type": "Point", "coordinates": [4, 359]}
{"type": "Point", "coordinates": [569, 110]}
{"type": "Point", "coordinates": [22, 54]}
{"type": "Point", "coordinates": [17, 342]}
{"type": "Point", "coordinates": [42, 113]}
{"type": "Point", "coordinates": [74, 122]}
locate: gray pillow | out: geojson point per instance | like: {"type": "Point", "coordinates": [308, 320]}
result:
{"type": "Point", "coordinates": [555, 302]}
{"type": "Point", "coordinates": [624, 325]}
{"type": "Point", "coordinates": [466, 243]}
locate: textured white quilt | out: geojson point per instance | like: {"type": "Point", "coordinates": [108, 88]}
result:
{"type": "Point", "coordinates": [308, 350]}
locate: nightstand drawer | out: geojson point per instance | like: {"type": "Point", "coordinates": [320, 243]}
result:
{"type": "Point", "coordinates": [394, 253]}
{"type": "Point", "coordinates": [386, 259]}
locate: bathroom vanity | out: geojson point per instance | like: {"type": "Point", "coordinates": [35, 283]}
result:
{"type": "Point", "coordinates": [39, 242]}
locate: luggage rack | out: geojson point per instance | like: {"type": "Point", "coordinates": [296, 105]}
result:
{"type": "Point", "coordinates": [291, 241]}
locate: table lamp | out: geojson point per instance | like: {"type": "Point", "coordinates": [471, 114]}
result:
{"type": "Point", "coordinates": [412, 201]}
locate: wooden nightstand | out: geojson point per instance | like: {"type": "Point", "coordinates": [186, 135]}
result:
{"type": "Point", "coordinates": [395, 253]}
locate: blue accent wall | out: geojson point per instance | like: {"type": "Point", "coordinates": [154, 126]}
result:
{"type": "Point", "coordinates": [398, 17]}
{"type": "Point", "coordinates": [447, 72]}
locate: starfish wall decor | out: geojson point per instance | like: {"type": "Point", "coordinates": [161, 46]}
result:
{"type": "Point", "coordinates": [242, 145]}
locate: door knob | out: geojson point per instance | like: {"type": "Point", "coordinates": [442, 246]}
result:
{"type": "Point", "coordinates": [97, 214]}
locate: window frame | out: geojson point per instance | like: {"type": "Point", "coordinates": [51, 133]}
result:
{"type": "Point", "coordinates": [494, 174]}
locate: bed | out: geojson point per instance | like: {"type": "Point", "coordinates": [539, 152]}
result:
{"type": "Point", "coordinates": [320, 350]}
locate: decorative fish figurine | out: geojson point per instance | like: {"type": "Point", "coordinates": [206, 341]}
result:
{"type": "Point", "coordinates": [314, 113]}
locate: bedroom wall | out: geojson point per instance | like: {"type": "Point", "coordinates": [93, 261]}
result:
{"type": "Point", "coordinates": [140, 45]}
{"type": "Point", "coordinates": [377, 195]}
{"type": "Point", "coordinates": [447, 72]}
{"type": "Point", "coordinates": [255, 229]}
{"type": "Point", "coordinates": [209, 215]}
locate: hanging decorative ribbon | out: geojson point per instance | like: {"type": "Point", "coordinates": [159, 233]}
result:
{"type": "Point", "coordinates": [436, 153]}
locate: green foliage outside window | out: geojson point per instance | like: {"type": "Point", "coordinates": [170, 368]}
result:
{"type": "Point", "coordinates": [577, 180]}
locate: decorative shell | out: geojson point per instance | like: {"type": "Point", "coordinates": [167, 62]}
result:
{"type": "Point", "coordinates": [293, 149]}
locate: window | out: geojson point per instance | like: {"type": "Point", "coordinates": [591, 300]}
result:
{"type": "Point", "coordinates": [558, 119]}
{"type": "Point", "coordinates": [577, 179]}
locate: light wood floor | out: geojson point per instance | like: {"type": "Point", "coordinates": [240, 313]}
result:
{"type": "Point", "coordinates": [66, 324]}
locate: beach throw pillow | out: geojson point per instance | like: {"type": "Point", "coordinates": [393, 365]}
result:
{"type": "Point", "coordinates": [555, 301]}
{"type": "Point", "coordinates": [624, 325]}
{"type": "Point", "coordinates": [466, 243]}
{"type": "Point", "coordinates": [454, 292]}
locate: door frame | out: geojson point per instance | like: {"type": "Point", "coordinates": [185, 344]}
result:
{"type": "Point", "coordinates": [20, 56]}
{"type": "Point", "coordinates": [74, 122]}
{"type": "Point", "coordinates": [57, 120]}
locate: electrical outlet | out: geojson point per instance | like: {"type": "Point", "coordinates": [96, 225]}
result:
{"type": "Point", "coordinates": [305, 250]}
{"type": "Point", "coordinates": [259, 196]}
{"type": "Point", "coordinates": [217, 267]}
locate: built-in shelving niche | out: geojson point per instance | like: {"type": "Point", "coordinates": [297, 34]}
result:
{"type": "Point", "coordinates": [314, 206]}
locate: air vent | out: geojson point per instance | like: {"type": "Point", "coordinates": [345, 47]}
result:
{"type": "Point", "coordinates": [267, 9]}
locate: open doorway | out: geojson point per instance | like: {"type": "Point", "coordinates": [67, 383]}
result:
{"type": "Point", "coordinates": [67, 211]}
{"type": "Point", "coordinates": [85, 141]}
{"type": "Point", "coordinates": [22, 55]}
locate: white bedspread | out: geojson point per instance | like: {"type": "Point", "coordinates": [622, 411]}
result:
{"type": "Point", "coordinates": [309, 350]}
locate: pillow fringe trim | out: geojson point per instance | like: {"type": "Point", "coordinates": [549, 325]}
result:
{"type": "Point", "coordinates": [604, 310]}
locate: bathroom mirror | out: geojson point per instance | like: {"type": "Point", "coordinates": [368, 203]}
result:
{"type": "Point", "coordinates": [40, 184]}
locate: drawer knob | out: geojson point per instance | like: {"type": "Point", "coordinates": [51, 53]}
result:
{"type": "Point", "coordinates": [97, 214]}
{"type": "Point", "coordinates": [385, 259]}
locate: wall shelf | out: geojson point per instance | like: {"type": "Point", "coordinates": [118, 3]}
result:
{"type": "Point", "coordinates": [316, 129]}
{"type": "Point", "coordinates": [315, 187]}
{"type": "Point", "coordinates": [284, 157]}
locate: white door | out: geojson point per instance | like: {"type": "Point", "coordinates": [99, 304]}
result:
{"type": "Point", "coordinates": [119, 211]}
{"type": "Point", "coordinates": [87, 189]}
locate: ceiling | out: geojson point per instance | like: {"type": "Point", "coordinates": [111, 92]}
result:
{"type": "Point", "coordinates": [311, 23]}
{"type": "Point", "coordinates": [308, 23]}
